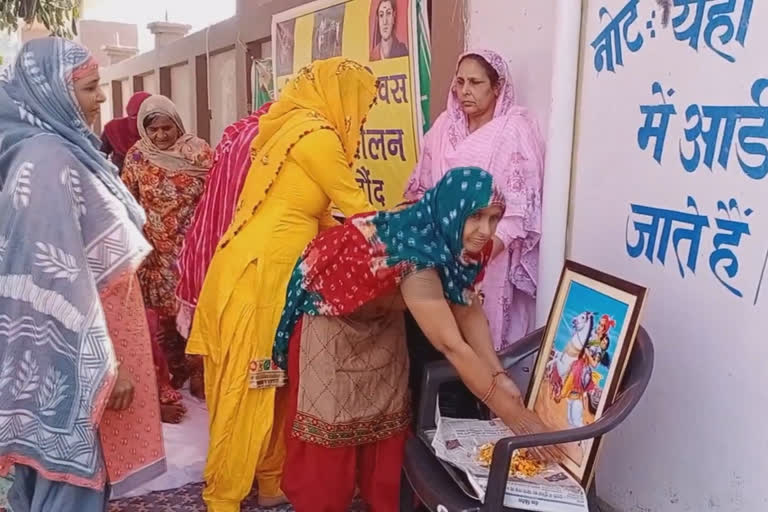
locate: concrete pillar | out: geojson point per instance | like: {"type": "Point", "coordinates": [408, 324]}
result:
{"type": "Point", "coordinates": [116, 53]}
{"type": "Point", "coordinates": [165, 32]}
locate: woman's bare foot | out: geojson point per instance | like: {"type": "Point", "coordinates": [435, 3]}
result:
{"type": "Point", "coordinates": [172, 413]}
{"type": "Point", "coordinates": [273, 502]}
{"type": "Point", "coordinates": [197, 386]}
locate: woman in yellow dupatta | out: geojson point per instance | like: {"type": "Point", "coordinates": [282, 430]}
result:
{"type": "Point", "coordinates": [301, 161]}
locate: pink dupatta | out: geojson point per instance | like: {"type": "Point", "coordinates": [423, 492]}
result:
{"type": "Point", "coordinates": [511, 149]}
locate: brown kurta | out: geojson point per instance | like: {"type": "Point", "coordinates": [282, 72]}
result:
{"type": "Point", "coordinates": [354, 379]}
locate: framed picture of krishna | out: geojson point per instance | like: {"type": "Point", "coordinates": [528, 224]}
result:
{"type": "Point", "coordinates": [584, 351]}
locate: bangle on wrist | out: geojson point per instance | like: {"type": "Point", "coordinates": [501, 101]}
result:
{"type": "Point", "coordinates": [490, 392]}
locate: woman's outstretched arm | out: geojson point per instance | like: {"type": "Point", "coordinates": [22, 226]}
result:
{"type": "Point", "coordinates": [423, 294]}
{"type": "Point", "coordinates": [474, 327]}
{"type": "Point", "coordinates": [461, 334]}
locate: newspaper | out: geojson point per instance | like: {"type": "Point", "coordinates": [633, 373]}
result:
{"type": "Point", "coordinates": [457, 441]}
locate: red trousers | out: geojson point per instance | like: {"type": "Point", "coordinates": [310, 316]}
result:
{"type": "Point", "coordinates": [320, 479]}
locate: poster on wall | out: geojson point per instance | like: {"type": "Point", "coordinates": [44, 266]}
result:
{"type": "Point", "coordinates": [383, 36]}
{"type": "Point", "coordinates": [670, 180]}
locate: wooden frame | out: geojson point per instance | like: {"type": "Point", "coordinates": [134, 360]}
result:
{"type": "Point", "coordinates": [164, 82]}
{"type": "Point", "coordinates": [587, 341]}
{"type": "Point", "coordinates": [202, 108]}
{"type": "Point", "coordinates": [138, 83]}
{"type": "Point", "coordinates": [117, 99]}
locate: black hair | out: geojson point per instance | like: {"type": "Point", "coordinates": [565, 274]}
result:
{"type": "Point", "coordinates": [493, 75]}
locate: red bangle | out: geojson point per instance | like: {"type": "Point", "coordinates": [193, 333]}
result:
{"type": "Point", "coordinates": [489, 393]}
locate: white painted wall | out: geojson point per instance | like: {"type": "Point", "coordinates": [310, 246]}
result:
{"type": "Point", "coordinates": [183, 95]}
{"type": "Point", "coordinates": [127, 91]}
{"type": "Point", "coordinates": [697, 442]}
{"type": "Point", "coordinates": [150, 84]}
{"type": "Point", "coordinates": [523, 32]}
{"type": "Point", "coordinates": [266, 49]}
{"type": "Point", "coordinates": [106, 107]}
{"type": "Point", "coordinates": [222, 90]}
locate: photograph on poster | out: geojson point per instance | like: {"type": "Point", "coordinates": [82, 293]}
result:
{"type": "Point", "coordinates": [285, 47]}
{"type": "Point", "coordinates": [389, 29]}
{"type": "Point", "coordinates": [328, 32]}
{"type": "Point", "coordinates": [391, 137]}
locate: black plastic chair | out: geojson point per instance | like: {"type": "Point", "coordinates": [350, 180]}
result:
{"type": "Point", "coordinates": [426, 477]}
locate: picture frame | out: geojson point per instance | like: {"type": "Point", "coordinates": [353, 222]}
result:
{"type": "Point", "coordinates": [584, 351]}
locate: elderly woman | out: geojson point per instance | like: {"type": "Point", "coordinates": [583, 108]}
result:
{"type": "Point", "coordinates": [348, 361]}
{"type": "Point", "coordinates": [482, 126]}
{"type": "Point", "coordinates": [301, 162]}
{"type": "Point", "coordinates": [166, 172]}
{"type": "Point", "coordinates": [79, 416]}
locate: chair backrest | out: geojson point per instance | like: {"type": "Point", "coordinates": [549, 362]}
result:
{"type": "Point", "coordinates": [636, 377]}
{"type": "Point", "coordinates": [635, 380]}
{"type": "Point", "coordinates": [520, 359]}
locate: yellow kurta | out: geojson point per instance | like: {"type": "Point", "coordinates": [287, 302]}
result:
{"type": "Point", "coordinates": [240, 307]}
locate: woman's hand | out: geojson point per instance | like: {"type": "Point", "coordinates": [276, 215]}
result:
{"type": "Point", "coordinates": [122, 394]}
{"type": "Point", "coordinates": [521, 420]}
{"type": "Point", "coordinates": [475, 362]}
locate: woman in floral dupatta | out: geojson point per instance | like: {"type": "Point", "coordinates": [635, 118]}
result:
{"type": "Point", "coordinates": [78, 414]}
{"type": "Point", "coordinates": [166, 172]}
{"type": "Point", "coordinates": [347, 359]}
{"type": "Point", "coordinates": [482, 126]}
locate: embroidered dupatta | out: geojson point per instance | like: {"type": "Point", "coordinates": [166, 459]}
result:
{"type": "Point", "coordinates": [368, 256]}
{"type": "Point", "coordinates": [68, 228]}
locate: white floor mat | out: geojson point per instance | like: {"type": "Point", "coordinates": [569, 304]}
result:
{"type": "Point", "coordinates": [186, 446]}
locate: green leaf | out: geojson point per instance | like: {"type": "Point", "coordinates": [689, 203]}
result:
{"type": "Point", "coordinates": [58, 16]}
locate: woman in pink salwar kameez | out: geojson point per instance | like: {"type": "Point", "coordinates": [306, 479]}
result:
{"type": "Point", "coordinates": [482, 126]}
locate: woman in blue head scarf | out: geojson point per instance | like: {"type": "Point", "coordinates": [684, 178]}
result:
{"type": "Point", "coordinates": [70, 243]}
{"type": "Point", "coordinates": [341, 338]}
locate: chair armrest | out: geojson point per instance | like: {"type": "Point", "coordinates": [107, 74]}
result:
{"type": "Point", "coordinates": [441, 372]}
{"type": "Point", "coordinates": [435, 375]}
{"type": "Point", "coordinates": [521, 349]}
{"type": "Point", "coordinates": [502, 452]}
